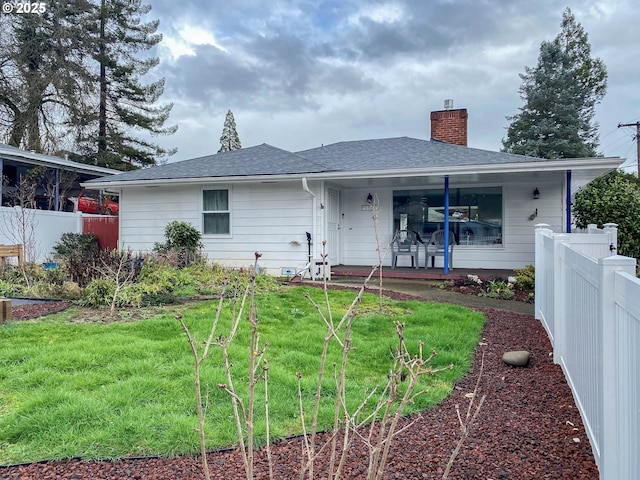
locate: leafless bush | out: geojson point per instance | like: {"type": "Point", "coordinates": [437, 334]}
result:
{"type": "Point", "coordinates": [390, 402]}
{"type": "Point", "coordinates": [119, 266]}
{"type": "Point", "coordinates": [20, 225]}
{"type": "Point", "coordinates": [242, 415]}
{"type": "Point", "coordinates": [64, 182]}
{"type": "Point", "coordinates": [467, 422]}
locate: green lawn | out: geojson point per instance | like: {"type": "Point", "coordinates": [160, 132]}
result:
{"type": "Point", "coordinates": [104, 390]}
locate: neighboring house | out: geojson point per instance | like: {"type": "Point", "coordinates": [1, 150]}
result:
{"type": "Point", "coordinates": [264, 199]}
{"type": "Point", "coordinates": [15, 162]}
{"type": "Point", "coordinates": [39, 229]}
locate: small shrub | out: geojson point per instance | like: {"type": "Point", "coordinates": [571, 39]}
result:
{"type": "Point", "coordinates": [77, 253]}
{"type": "Point", "coordinates": [163, 276]}
{"type": "Point", "coordinates": [11, 289]}
{"type": "Point", "coordinates": [145, 295]}
{"type": "Point", "coordinates": [44, 290]}
{"type": "Point", "coordinates": [526, 278]}
{"type": "Point", "coordinates": [71, 291]}
{"type": "Point", "coordinates": [182, 243]}
{"type": "Point", "coordinates": [99, 293]}
{"type": "Point", "coordinates": [182, 235]}
{"type": "Point", "coordinates": [211, 273]}
{"type": "Point", "coordinates": [24, 275]}
{"type": "Point", "coordinates": [468, 281]}
{"type": "Point", "coordinates": [55, 276]}
{"type": "Point", "coordinates": [122, 263]}
{"type": "Point", "coordinates": [498, 289]}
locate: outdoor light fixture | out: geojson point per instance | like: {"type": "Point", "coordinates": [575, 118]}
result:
{"type": "Point", "coordinates": [536, 194]}
{"type": "Point", "coordinates": [371, 203]}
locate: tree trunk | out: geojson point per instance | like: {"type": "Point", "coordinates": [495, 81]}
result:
{"type": "Point", "coordinates": [102, 112]}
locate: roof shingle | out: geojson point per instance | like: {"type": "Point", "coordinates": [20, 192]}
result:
{"type": "Point", "coordinates": [385, 154]}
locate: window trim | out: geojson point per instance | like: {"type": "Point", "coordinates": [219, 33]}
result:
{"type": "Point", "coordinates": [228, 211]}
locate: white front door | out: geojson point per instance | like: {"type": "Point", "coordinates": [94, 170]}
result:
{"type": "Point", "coordinates": [333, 226]}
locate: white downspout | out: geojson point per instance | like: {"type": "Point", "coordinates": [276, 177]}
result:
{"type": "Point", "coordinates": [314, 217]}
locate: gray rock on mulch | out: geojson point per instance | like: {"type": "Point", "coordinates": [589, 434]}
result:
{"type": "Point", "coordinates": [519, 358]}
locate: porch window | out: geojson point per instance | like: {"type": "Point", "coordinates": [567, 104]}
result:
{"type": "Point", "coordinates": [475, 214]}
{"type": "Point", "coordinates": [216, 216]}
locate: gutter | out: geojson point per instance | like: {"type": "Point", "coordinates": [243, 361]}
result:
{"type": "Point", "coordinates": [314, 217]}
{"type": "Point", "coordinates": [542, 166]}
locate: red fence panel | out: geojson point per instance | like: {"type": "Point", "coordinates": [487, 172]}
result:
{"type": "Point", "coordinates": [104, 227]}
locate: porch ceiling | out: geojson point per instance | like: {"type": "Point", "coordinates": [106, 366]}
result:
{"type": "Point", "coordinates": [438, 180]}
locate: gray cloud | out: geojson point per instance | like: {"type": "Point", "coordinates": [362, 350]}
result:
{"type": "Point", "coordinates": [300, 73]}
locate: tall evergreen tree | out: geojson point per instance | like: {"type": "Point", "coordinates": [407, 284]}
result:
{"type": "Point", "coordinates": [560, 96]}
{"type": "Point", "coordinates": [71, 79]}
{"type": "Point", "coordinates": [229, 139]}
{"type": "Point", "coordinates": [44, 81]}
{"type": "Point", "coordinates": [124, 104]}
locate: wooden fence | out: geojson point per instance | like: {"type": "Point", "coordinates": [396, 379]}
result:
{"type": "Point", "coordinates": [104, 227]}
{"type": "Point", "coordinates": [7, 251]}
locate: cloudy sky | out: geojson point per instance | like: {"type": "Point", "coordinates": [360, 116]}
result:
{"type": "Point", "coordinates": [302, 73]}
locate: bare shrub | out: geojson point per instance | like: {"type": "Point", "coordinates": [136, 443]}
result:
{"type": "Point", "coordinates": [118, 266]}
{"type": "Point", "coordinates": [242, 415]}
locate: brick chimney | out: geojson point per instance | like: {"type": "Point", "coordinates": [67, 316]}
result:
{"type": "Point", "coordinates": [450, 125]}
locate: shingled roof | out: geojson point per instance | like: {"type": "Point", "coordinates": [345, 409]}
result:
{"type": "Point", "coordinates": [259, 160]}
{"type": "Point", "coordinates": [401, 154]}
{"type": "Point", "coordinates": [404, 153]}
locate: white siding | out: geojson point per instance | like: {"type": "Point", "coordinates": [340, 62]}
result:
{"type": "Point", "coordinates": [272, 218]}
{"type": "Point", "coordinates": [268, 218]}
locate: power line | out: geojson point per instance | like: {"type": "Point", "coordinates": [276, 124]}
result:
{"type": "Point", "coordinates": [637, 138]}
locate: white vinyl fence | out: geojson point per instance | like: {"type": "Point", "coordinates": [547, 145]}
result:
{"type": "Point", "coordinates": [588, 300]}
{"type": "Point", "coordinates": [37, 230]}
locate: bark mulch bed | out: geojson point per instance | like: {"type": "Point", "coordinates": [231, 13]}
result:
{"type": "Point", "coordinates": [528, 428]}
{"type": "Point", "coordinates": [34, 310]}
{"type": "Point", "coordinates": [469, 287]}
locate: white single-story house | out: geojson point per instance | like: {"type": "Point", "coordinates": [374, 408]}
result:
{"type": "Point", "coordinates": [268, 200]}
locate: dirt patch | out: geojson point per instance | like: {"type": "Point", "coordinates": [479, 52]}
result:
{"type": "Point", "coordinates": [34, 310]}
{"type": "Point", "coordinates": [96, 315]}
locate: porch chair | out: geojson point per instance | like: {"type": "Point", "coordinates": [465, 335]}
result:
{"type": "Point", "coordinates": [405, 242]}
{"type": "Point", "coordinates": [435, 248]}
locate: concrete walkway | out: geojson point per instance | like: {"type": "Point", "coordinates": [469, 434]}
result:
{"type": "Point", "coordinates": [427, 290]}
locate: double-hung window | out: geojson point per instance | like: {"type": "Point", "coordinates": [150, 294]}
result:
{"type": "Point", "coordinates": [216, 213]}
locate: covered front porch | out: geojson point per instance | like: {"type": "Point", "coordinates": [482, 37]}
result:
{"type": "Point", "coordinates": [490, 218]}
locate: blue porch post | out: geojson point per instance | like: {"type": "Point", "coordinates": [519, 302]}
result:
{"type": "Point", "coordinates": [446, 224]}
{"type": "Point", "coordinates": [57, 190]}
{"type": "Point", "coordinates": [568, 203]}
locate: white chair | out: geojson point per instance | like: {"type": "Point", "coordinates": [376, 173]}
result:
{"type": "Point", "coordinates": [405, 242]}
{"type": "Point", "coordinates": [435, 248]}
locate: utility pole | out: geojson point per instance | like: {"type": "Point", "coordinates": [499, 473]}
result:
{"type": "Point", "coordinates": [637, 138]}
